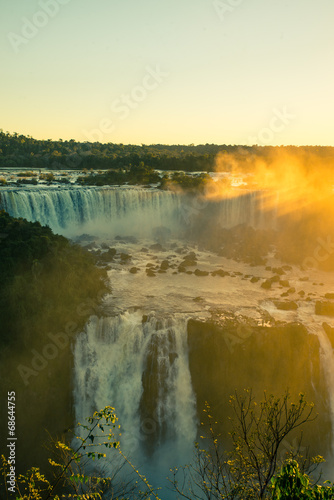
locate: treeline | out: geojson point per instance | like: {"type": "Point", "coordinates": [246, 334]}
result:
{"type": "Point", "coordinates": [19, 151]}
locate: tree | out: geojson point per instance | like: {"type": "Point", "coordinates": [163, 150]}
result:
{"type": "Point", "coordinates": [292, 484]}
{"type": "Point", "coordinates": [258, 430]}
{"type": "Point", "coordinates": [71, 468]}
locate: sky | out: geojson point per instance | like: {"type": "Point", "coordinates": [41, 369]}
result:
{"type": "Point", "coordinates": [169, 72]}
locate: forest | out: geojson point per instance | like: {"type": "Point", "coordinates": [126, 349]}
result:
{"type": "Point", "coordinates": [18, 151]}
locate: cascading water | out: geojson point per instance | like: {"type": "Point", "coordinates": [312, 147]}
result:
{"type": "Point", "coordinates": [139, 365]}
{"type": "Point", "coordinates": [70, 211]}
{"type": "Point", "coordinates": [327, 358]}
{"type": "Point", "coordinates": [127, 210]}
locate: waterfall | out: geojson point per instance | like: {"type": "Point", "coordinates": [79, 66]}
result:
{"type": "Point", "coordinates": [127, 209]}
{"type": "Point", "coordinates": [327, 358]}
{"type": "Point", "coordinates": [248, 208]}
{"type": "Point", "coordinates": [139, 365]}
{"type": "Point", "coordinates": [112, 210]}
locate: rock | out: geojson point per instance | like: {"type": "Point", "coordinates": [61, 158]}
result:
{"type": "Point", "coordinates": [189, 272]}
{"type": "Point", "coordinates": [181, 269]}
{"type": "Point", "coordinates": [330, 332]}
{"type": "Point", "coordinates": [305, 278]}
{"type": "Point", "coordinates": [285, 294]}
{"type": "Point", "coordinates": [256, 260]}
{"type": "Point", "coordinates": [188, 263]}
{"type": "Point", "coordinates": [254, 279]}
{"type": "Point", "coordinates": [156, 247]}
{"type": "Point", "coordinates": [292, 290]}
{"type": "Point", "coordinates": [287, 268]}
{"type": "Point", "coordinates": [278, 270]}
{"type": "Point", "coordinates": [164, 265]}
{"type": "Point", "coordinates": [150, 273]}
{"type": "Point", "coordinates": [286, 306]}
{"type": "Point", "coordinates": [266, 284]}
{"type": "Point", "coordinates": [191, 256]}
{"type": "Point", "coordinates": [220, 272]}
{"type": "Point", "coordinates": [198, 299]}
{"type": "Point", "coordinates": [329, 295]}
{"type": "Point", "coordinates": [201, 273]}
{"type": "Point", "coordinates": [84, 237]}
{"type": "Point", "coordinates": [109, 255]}
{"type": "Point", "coordinates": [301, 293]}
{"type": "Point", "coordinates": [127, 239]}
{"type": "Point", "coordinates": [268, 268]}
{"type": "Point", "coordinates": [125, 257]}
{"type": "Point", "coordinates": [96, 252]}
{"type": "Point", "coordinates": [275, 279]}
{"type": "Point", "coordinates": [323, 308]}
{"type": "Point", "coordinates": [144, 249]}
{"type": "Point", "coordinates": [134, 270]}
{"type": "Point", "coordinates": [285, 283]}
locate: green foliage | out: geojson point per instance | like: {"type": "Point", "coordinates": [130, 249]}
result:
{"type": "Point", "coordinates": [71, 476]}
{"type": "Point", "coordinates": [27, 173]}
{"type": "Point", "coordinates": [49, 177]}
{"type": "Point", "coordinates": [246, 472]}
{"type": "Point", "coordinates": [259, 430]}
{"type": "Point", "coordinates": [185, 182]}
{"type": "Point", "coordinates": [136, 174]}
{"type": "Point", "coordinates": [19, 151]}
{"type": "Point", "coordinates": [292, 484]}
{"type": "Point", "coordinates": [44, 278]}
{"type": "Point", "coordinates": [214, 475]}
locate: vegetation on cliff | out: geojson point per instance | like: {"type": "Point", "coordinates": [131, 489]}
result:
{"type": "Point", "coordinates": [44, 278]}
